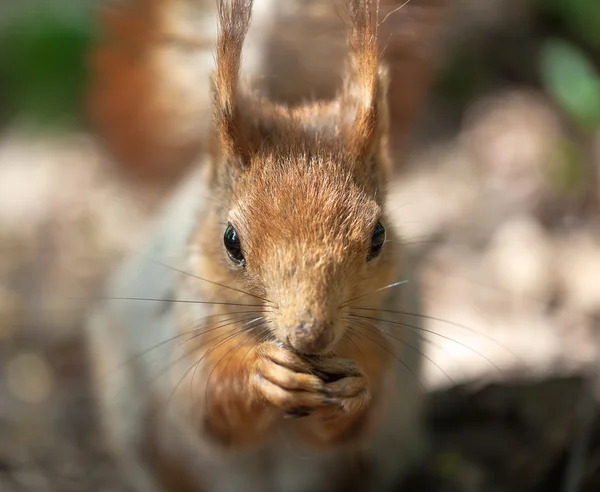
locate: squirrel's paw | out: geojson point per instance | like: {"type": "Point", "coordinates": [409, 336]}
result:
{"type": "Point", "coordinates": [300, 385]}
{"type": "Point", "coordinates": [345, 385]}
{"type": "Point", "coordinates": [287, 382]}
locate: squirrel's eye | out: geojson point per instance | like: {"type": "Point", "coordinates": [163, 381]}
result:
{"type": "Point", "coordinates": [377, 241]}
{"type": "Point", "coordinates": [233, 246]}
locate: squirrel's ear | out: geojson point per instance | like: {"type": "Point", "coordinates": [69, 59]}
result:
{"type": "Point", "coordinates": [364, 97]}
{"type": "Point", "coordinates": [232, 139]}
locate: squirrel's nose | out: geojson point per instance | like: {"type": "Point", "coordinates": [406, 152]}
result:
{"type": "Point", "coordinates": [312, 338]}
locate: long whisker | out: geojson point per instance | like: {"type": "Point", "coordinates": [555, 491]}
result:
{"type": "Point", "coordinates": [394, 11]}
{"type": "Point", "coordinates": [206, 280]}
{"type": "Point", "coordinates": [246, 323]}
{"type": "Point", "coordinates": [409, 345]}
{"type": "Point", "coordinates": [395, 284]}
{"type": "Point", "coordinates": [208, 352]}
{"type": "Point", "coordinates": [230, 352]}
{"type": "Point", "coordinates": [218, 327]}
{"type": "Point", "coordinates": [195, 364]}
{"type": "Point", "coordinates": [349, 338]}
{"type": "Point", "coordinates": [437, 345]}
{"type": "Point", "coordinates": [451, 323]}
{"type": "Point", "coordinates": [179, 335]}
{"type": "Point", "coordinates": [433, 333]}
{"type": "Point", "coordinates": [357, 332]}
{"type": "Point", "coordinates": [173, 301]}
{"type": "Point", "coordinates": [426, 340]}
{"type": "Point", "coordinates": [230, 321]}
{"type": "Point", "coordinates": [267, 334]}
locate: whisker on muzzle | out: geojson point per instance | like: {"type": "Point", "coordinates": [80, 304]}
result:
{"type": "Point", "coordinates": [425, 330]}
{"type": "Point", "coordinates": [355, 328]}
{"type": "Point", "coordinates": [375, 328]}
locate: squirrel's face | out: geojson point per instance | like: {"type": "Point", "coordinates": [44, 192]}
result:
{"type": "Point", "coordinates": [303, 185]}
{"type": "Point", "coordinates": [310, 238]}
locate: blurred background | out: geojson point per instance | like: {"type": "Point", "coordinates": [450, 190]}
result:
{"type": "Point", "coordinates": [496, 139]}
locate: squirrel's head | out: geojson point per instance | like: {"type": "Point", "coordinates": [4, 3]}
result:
{"type": "Point", "coordinates": [304, 188]}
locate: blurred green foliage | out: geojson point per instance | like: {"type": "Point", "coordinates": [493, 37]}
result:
{"type": "Point", "coordinates": [43, 68]}
{"type": "Point", "coordinates": [568, 73]}
{"type": "Point", "coordinates": [570, 78]}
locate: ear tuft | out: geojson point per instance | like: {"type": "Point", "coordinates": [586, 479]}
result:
{"type": "Point", "coordinates": [234, 19]}
{"type": "Point", "coordinates": [365, 88]}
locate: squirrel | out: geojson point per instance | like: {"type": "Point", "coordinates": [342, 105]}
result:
{"type": "Point", "coordinates": [233, 352]}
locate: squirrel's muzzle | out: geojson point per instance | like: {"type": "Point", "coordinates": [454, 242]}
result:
{"type": "Point", "coordinates": [307, 297]}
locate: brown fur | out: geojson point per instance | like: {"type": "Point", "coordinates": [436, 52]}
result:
{"type": "Point", "coordinates": [306, 187]}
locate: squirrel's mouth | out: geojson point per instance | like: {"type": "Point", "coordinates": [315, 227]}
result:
{"type": "Point", "coordinates": [325, 377]}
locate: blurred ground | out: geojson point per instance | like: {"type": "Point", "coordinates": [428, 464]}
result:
{"type": "Point", "coordinates": [499, 200]}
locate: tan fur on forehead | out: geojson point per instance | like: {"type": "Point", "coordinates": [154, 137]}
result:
{"type": "Point", "coordinates": [313, 198]}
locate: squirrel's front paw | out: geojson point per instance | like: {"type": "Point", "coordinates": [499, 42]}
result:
{"type": "Point", "coordinates": [300, 385]}
{"type": "Point", "coordinates": [345, 385]}
{"type": "Point", "coordinates": [287, 382]}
